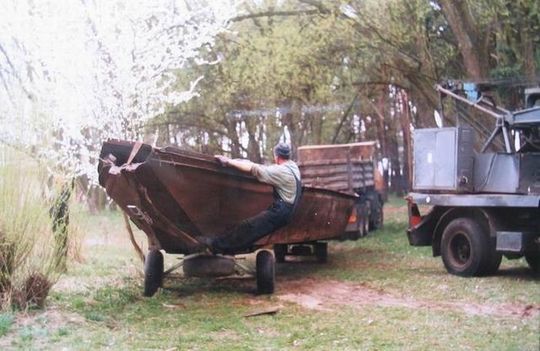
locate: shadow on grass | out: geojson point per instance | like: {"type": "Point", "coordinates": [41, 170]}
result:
{"type": "Point", "coordinates": [292, 270]}
{"type": "Point", "coordinates": [523, 274]}
{"type": "Point", "coordinates": [356, 260]}
{"type": "Point", "coordinates": [518, 273]}
{"type": "Point", "coordinates": [186, 287]}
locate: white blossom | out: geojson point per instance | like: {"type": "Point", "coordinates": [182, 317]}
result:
{"type": "Point", "coordinates": [74, 73]}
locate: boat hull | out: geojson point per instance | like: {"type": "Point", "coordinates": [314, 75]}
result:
{"type": "Point", "coordinates": [174, 196]}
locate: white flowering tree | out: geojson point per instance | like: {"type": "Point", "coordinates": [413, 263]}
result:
{"type": "Point", "coordinates": [74, 73]}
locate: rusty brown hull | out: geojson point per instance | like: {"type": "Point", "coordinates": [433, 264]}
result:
{"type": "Point", "coordinates": [174, 196]}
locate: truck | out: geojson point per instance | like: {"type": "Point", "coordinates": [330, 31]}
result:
{"type": "Point", "coordinates": [474, 201]}
{"type": "Point", "coordinates": [351, 169]}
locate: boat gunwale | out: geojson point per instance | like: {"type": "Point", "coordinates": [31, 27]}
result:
{"type": "Point", "coordinates": [160, 155]}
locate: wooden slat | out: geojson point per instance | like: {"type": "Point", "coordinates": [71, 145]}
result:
{"type": "Point", "coordinates": [323, 162]}
{"type": "Point", "coordinates": [333, 162]}
{"type": "Point", "coordinates": [329, 180]}
{"type": "Point", "coordinates": [308, 172]}
{"type": "Point", "coordinates": [336, 186]}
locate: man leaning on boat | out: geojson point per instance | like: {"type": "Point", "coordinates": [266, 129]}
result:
{"type": "Point", "coordinates": [284, 176]}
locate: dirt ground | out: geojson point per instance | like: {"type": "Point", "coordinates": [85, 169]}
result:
{"type": "Point", "coordinates": [327, 295]}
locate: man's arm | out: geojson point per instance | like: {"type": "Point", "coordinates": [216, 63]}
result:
{"type": "Point", "coordinates": [243, 165]}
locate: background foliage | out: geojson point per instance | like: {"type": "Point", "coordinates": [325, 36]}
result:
{"type": "Point", "coordinates": [315, 72]}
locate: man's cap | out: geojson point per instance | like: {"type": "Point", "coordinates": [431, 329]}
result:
{"type": "Point", "coordinates": [283, 150]}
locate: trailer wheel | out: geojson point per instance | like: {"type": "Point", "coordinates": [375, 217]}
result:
{"type": "Point", "coordinates": [534, 262]}
{"type": "Point", "coordinates": [465, 248]}
{"type": "Point", "coordinates": [266, 274]}
{"type": "Point", "coordinates": [321, 252]}
{"type": "Point", "coordinates": [153, 272]}
{"type": "Point", "coordinates": [280, 251]}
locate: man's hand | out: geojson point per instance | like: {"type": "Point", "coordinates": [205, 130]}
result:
{"type": "Point", "coordinates": [223, 160]}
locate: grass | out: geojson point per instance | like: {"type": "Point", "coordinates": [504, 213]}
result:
{"type": "Point", "coordinates": [6, 320]}
{"type": "Point", "coordinates": [99, 304]}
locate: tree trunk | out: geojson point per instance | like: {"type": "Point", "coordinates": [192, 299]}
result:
{"type": "Point", "coordinates": [253, 151]}
{"type": "Point", "coordinates": [406, 130]}
{"type": "Point", "coordinates": [471, 46]}
{"type": "Point", "coordinates": [317, 128]}
{"type": "Point", "coordinates": [289, 120]}
{"type": "Point", "coordinates": [232, 134]}
{"type": "Point", "coordinates": [381, 125]}
{"type": "Point", "coordinates": [528, 55]}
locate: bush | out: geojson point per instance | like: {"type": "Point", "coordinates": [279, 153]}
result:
{"type": "Point", "coordinates": [31, 253]}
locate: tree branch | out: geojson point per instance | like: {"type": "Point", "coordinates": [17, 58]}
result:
{"type": "Point", "coordinates": [274, 14]}
{"type": "Point", "coordinates": [317, 4]}
{"type": "Point", "coordinates": [15, 74]}
{"type": "Point", "coordinates": [344, 118]}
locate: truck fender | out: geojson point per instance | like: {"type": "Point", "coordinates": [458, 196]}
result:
{"type": "Point", "coordinates": [481, 215]}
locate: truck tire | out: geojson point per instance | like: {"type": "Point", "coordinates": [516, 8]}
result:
{"type": "Point", "coordinates": [153, 272]}
{"type": "Point", "coordinates": [366, 215]}
{"type": "Point", "coordinates": [265, 272]}
{"type": "Point", "coordinates": [534, 261]}
{"type": "Point", "coordinates": [493, 262]}
{"type": "Point", "coordinates": [376, 214]}
{"type": "Point", "coordinates": [465, 248]}
{"type": "Point", "coordinates": [362, 222]}
{"type": "Point", "coordinates": [280, 251]}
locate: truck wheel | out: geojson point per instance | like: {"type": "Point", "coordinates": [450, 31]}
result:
{"type": "Point", "coordinates": [534, 262]}
{"type": "Point", "coordinates": [366, 215]}
{"type": "Point", "coordinates": [280, 251]}
{"type": "Point", "coordinates": [465, 248]}
{"type": "Point", "coordinates": [153, 272]}
{"type": "Point", "coordinates": [360, 224]}
{"type": "Point", "coordinates": [376, 215]}
{"type": "Point", "coordinates": [321, 252]}
{"type": "Point", "coordinates": [493, 261]}
{"type": "Point", "coordinates": [266, 273]}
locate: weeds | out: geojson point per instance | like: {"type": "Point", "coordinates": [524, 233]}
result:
{"type": "Point", "coordinates": [30, 253]}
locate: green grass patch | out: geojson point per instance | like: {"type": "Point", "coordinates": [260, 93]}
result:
{"type": "Point", "coordinates": [6, 321]}
{"type": "Point", "coordinates": [100, 303]}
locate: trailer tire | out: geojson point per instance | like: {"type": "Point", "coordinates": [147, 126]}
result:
{"type": "Point", "coordinates": [280, 251]}
{"type": "Point", "coordinates": [265, 272]}
{"type": "Point", "coordinates": [321, 252]}
{"type": "Point", "coordinates": [153, 272]}
{"type": "Point", "coordinates": [534, 262]}
{"type": "Point", "coordinates": [465, 248]}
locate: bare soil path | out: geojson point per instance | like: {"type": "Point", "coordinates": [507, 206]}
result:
{"type": "Point", "coordinates": [328, 295]}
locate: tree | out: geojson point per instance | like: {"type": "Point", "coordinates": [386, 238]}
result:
{"type": "Point", "coordinates": [86, 71]}
{"type": "Point", "coordinates": [275, 80]}
{"type": "Point", "coordinates": [374, 62]}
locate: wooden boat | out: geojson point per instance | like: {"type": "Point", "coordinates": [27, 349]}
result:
{"type": "Point", "coordinates": [175, 196]}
